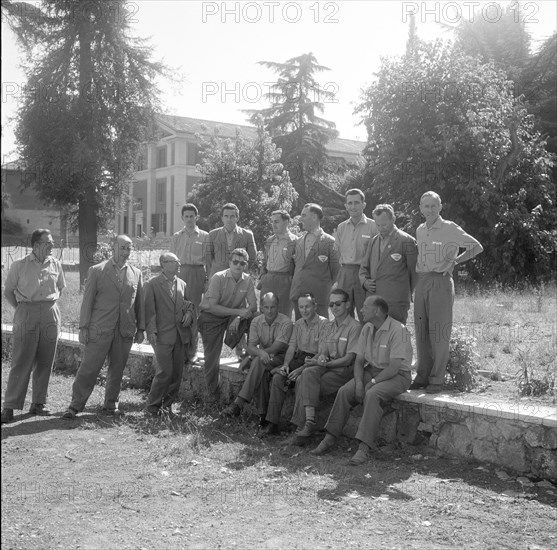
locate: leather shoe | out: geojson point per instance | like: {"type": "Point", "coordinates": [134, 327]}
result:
{"type": "Point", "coordinates": [323, 448]}
{"type": "Point", "coordinates": [270, 429]}
{"type": "Point", "coordinates": [308, 430]}
{"type": "Point", "coordinates": [417, 386]}
{"type": "Point", "coordinates": [361, 457]}
{"type": "Point", "coordinates": [434, 388]}
{"type": "Point", "coordinates": [39, 409]}
{"type": "Point", "coordinates": [70, 414]}
{"type": "Point", "coordinates": [7, 416]}
{"type": "Point", "coordinates": [232, 410]}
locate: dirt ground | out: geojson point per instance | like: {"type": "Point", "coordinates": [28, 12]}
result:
{"type": "Point", "coordinates": [200, 481]}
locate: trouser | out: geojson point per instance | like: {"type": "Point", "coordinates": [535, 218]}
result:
{"type": "Point", "coordinates": [35, 332]}
{"type": "Point", "coordinates": [433, 318]}
{"type": "Point", "coordinates": [280, 386]}
{"type": "Point", "coordinates": [314, 384]}
{"type": "Point", "coordinates": [212, 329]}
{"type": "Point", "coordinates": [348, 280]}
{"type": "Point", "coordinates": [374, 399]}
{"type": "Point", "coordinates": [195, 278]}
{"type": "Point", "coordinates": [278, 283]}
{"type": "Point", "coordinates": [399, 311]}
{"type": "Point", "coordinates": [168, 375]}
{"type": "Point", "coordinates": [257, 381]}
{"type": "Point", "coordinates": [117, 348]}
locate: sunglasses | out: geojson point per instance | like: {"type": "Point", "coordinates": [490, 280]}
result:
{"type": "Point", "coordinates": [337, 304]}
{"type": "Point", "coordinates": [241, 262]}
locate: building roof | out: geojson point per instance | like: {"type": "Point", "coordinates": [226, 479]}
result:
{"type": "Point", "coordinates": [182, 124]}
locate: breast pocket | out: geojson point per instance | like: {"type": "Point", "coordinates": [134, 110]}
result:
{"type": "Point", "coordinates": [383, 354]}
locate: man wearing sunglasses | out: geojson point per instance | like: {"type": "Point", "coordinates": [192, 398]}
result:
{"type": "Point", "coordinates": [381, 371]}
{"type": "Point", "coordinates": [330, 369]}
{"type": "Point", "coordinates": [229, 303]}
{"type": "Point", "coordinates": [268, 339]}
{"type": "Point", "coordinates": [169, 320]}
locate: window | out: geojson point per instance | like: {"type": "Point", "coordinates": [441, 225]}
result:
{"type": "Point", "coordinates": [158, 222]}
{"type": "Point", "coordinates": [193, 154]}
{"type": "Point", "coordinates": [161, 190]}
{"type": "Point", "coordinates": [138, 204]}
{"type": "Point", "coordinates": [161, 157]}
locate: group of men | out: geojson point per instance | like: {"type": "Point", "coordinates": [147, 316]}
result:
{"type": "Point", "coordinates": [370, 268]}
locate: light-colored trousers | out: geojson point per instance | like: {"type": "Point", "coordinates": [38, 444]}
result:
{"type": "Point", "coordinates": [348, 280]}
{"type": "Point", "coordinates": [374, 399]}
{"type": "Point", "coordinates": [36, 330]}
{"type": "Point", "coordinates": [433, 320]}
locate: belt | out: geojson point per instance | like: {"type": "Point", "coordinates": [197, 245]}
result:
{"type": "Point", "coordinates": [278, 272]}
{"type": "Point", "coordinates": [351, 265]}
{"type": "Point", "coordinates": [192, 265]}
{"type": "Point", "coordinates": [431, 274]}
{"type": "Point", "coordinates": [36, 302]}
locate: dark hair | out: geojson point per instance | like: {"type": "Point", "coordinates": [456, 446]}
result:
{"type": "Point", "coordinates": [37, 234]}
{"type": "Point", "coordinates": [342, 293]}
{"type": "Point", "coordinates": [381, 304]}
{"type": "Point", "coordinates": [239, 252]}
{"type": "Point", "coordinates": [315, 208]}
{"type": "Point", "coordinates": [384, 209]}
{"type": "Point", "coordinates": [230, 206]}
{"type": "Point", "coordinates": [282, 213]}
{"type": "Point", "coordinates": [309, 296]}
{"type": "Point", "coordinates": [189, 206]}
{"type": "Point", "coordinates": [355, 192]}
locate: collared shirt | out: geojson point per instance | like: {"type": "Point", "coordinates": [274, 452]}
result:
{"type": "Point", "coordinates": [120, 272]}
{"type": "Point", "coordinates": [170, 285]}
{"type": "Point", "coordinates": [384, 241]}
{"type": "Point", "coordinates": [31, 281]}
{"type": "Point", "coordinates": [310, 238]}
{"type": "Point", "coordinates": [352, 241]}
{"type": "Point", "coordinates": [279, 252]}
{"type": "Point", "coordinates": [264, 335]}
{"type": "Point", "coordinates": [438, 244]}
{"type": "Point", "coordinates": [339, 340]}
{"type": "Point", "coordinates": [391, 341]}
{"type": "Point", "coordinates": [230, 237]}
{"type": "Point", "coordinates": [191, 248]}
{"type": "Point", "coordinates": [305, 336]}
{"type": "Point", "coordinates": [230, 293]}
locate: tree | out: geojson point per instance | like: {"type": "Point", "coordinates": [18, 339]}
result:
{"type": "Point", "coordinates": [90, 103]}
{"type": "Point", "coordinates": [292, 119]}
{"type": "Point", "coordinates": [446, 121]}
{"type": "Point", "coordinates": [247, 173]}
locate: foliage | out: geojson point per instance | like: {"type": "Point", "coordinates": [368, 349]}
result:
{"type": "Point", "coordinates": [89, 104]}
{"type": "Point", "coordinates": [538, 372]}
{"type": "Point", "coordinates": [292, 119]}
{"type": "Point", "coordinates": [462, 366]}
{"type": "Point", "coordinates": [446, 121]}
{"type": "Point", "coordinates": [246, 173]}
{"type": "Point", "coordinates": [103, 252]}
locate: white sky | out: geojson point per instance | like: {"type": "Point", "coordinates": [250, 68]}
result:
{"type": "Point", "coordinates": [216, 47]}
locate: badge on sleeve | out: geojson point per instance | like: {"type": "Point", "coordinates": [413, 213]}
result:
{"type": "Point", "coordinates": [396, 257]}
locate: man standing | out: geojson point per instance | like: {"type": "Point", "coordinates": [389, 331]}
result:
{"type": "Point", "coordinates": [303, 345]}
{"type": "Point", "coordinates": [190, 245]}
{"type": "Point", "coordinates": [229, 303]}
{"type": "Point", "coordinates": [316, 260]}
{"type": "Point", "coordinates": [268, 339]}
{"type": "Point", "coordinates": [112, 316]}
{"type": "Point", "coordinates": [278, 261]}
{"type": "Point", "coordinates": [169, 318]}
{"type": "Point", "coordinates": [33, 286]}
{"type": "Point", "coordinates": [330, 369]}
{"type": "Point", "coordinates": [352, 240]}
{"type": "Point", "coordinates": [223, 240]}
{"type": "Point", "coordinates": [381, 371]}
{"type": "Point", "coordinates": [439, 243]}
{"type": "Point", "coordinates": [389, 267]}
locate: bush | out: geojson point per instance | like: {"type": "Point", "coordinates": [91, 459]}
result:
{"type": "Point", "coordinates": [462, 365]}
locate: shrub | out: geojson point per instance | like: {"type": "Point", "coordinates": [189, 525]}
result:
{"type": "Point", "coordinates": [462, 365]}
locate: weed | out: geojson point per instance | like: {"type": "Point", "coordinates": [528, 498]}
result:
{"type": "Point", "coordinates": [462, 361]}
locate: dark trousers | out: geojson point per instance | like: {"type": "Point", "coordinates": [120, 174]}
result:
{"type": "Point", "coordinates": [195, 277]}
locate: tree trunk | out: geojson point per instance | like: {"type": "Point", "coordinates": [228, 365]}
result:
{"type": "Point", "coordinates": [87, 233]}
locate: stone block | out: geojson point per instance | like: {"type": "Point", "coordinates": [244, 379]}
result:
{"type": "Point", "coordinates": [543, 463]}
{"type": "Point", "coordinates": [485, 450]}
{"type": "Point", "coordinates": [509, 430]}
{"type": "Point", "coordinates": [455, 440]}
{"type": "Point", "coordinates": [512, 454]}
{"type": "Point", "coordinates": [387, 428]}
{"type": "Point", "coordinates": [141, 370]}
{"type": "Point", "coordinates": [540, 436]}
{"type": "Point", "coordinates": [408, 422]}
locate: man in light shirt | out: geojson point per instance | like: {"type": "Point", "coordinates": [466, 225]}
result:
{"type": "Point", "coordinates": [353, 238]}
{"type": "Point", "coordinates": [33, 287]}
{"type": "Point", "coordinates": [439, 243]}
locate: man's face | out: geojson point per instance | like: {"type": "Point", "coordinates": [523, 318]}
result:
{"type": "Point", "coordinates": [306, 307]}
{"type": "Point", "coordinates": [237, 265]}
{"type": "Point", "coordinates": [430, 208]}
{"type": "Point", "coordinates": [369, 311]}
{"type": "Point", "coordinates": [170, 265]}
{"type": "Point", "coordinates": [189, 218]}
{"type": "Point", "coordinates": [279, 225]}
{"type": "Point", "coordinates": [355, 206]}
{"type": "Point", "coordinates": [384, 223]}
{"type": "Point", "coordinates": [122, 249]}
{"type": "Point", "coordinates": [44, 246]}
{"type": "Point", "coordinates": [308, 219]}
{"type": "Point", "coordinates": [229, 219]}
{"type": "Point", "coordinates": [269, 308]}
{"type": "Point", "coordinates": [338, 305]}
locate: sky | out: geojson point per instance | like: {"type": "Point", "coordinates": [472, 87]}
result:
{"type": "Point", "coordinates": [215, 47]}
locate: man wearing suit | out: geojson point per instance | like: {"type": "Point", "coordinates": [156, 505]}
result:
{"type": "Point", "coordinates": [169, 317]}
{"type": "Point", "coordinates": [316, 260]}
{"type": "Point", "coordinates": [389, 267]}
{"type": "Point", "coordinates": [353, 238]}
{"type": "Point", "coordinates": [223, 240]}
{"type": "Point", "coordinates": [112, 315]}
